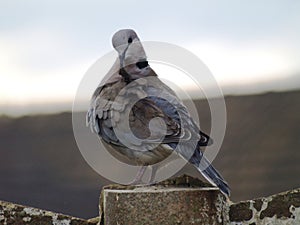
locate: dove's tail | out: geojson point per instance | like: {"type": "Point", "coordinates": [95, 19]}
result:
{"type": "Point", "coordinates": [209, 172]}
{"type": "Point", "coordinates": [213, 176]}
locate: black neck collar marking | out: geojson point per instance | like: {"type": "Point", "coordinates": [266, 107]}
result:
{"type": "Point", "coordinates": [125, 75]}
{"type": "Point", "coordinates": [142, 64]}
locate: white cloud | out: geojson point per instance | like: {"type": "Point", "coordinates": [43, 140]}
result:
{"type": "Point", "coordinates": [245, 64]}
{"type": "Point", "coordinates": [37, 67]}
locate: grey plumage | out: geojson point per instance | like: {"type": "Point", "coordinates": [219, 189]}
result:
{"type": "Point", "coordinates": [141, 118]}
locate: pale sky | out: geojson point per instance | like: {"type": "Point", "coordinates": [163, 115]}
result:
{"type": "Point", "coordinates": [47, 46]}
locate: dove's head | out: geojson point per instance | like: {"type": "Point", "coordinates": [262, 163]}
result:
{"type": "Point", "coordinates": [133, 59]}
{"type": "Point", "coordinates": [123, 38]}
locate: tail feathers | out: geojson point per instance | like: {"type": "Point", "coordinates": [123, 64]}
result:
{"type": "Point", "coordinates": [212, 175]}
{"type": "Point", "coordinates": [209, 172]}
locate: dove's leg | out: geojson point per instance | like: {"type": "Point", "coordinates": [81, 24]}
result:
{"type": "Point", "coordinates": [153, 173]}
{"type": "Point", "coordinates": [139, 175]}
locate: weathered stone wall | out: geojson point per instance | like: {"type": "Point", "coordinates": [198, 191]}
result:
{"type": "Point", "coordinates": [17, 214]}
{"type": "Point", "coordinates": [183, 200]}
{"type": "Point", "coordinates": [279, 209]}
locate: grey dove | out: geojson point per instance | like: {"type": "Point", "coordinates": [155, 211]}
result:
{"type": "Point", "coordinates": [141, 120]}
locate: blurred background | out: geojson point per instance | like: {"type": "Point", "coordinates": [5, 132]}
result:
{"type": "Point", "coordinates": [252, 49]}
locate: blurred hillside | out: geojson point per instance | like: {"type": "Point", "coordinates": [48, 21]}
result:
{"type": "Point", "coordinates": [41, 165]}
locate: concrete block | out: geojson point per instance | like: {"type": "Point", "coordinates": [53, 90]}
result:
{"type": "Point", "coordinates": [179, 201]}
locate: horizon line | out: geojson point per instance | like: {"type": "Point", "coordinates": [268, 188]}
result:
{"type": "Point", "coordinates": [51, 108]}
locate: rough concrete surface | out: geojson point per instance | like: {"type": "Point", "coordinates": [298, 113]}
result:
{"type": "Point", "coordinates": [165, 204]}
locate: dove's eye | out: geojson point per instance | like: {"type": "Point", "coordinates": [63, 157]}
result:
{"type": "Point", "coordinates": [142, 64]}
{"type": "Point", "coordinates": [129, 40]}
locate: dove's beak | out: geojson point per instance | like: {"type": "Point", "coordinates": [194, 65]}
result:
{"type": "Point", "coordinates": [122, 57]}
